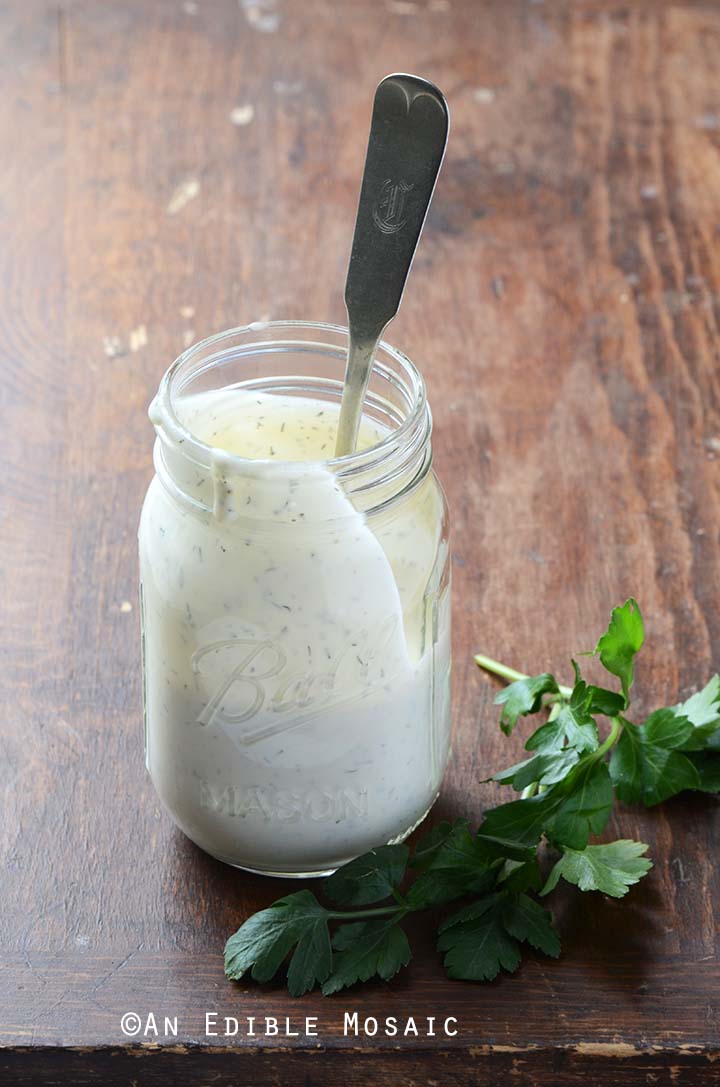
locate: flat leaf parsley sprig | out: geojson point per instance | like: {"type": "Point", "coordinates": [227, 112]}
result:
{"type": "Point", "coordinates": [567, 788]}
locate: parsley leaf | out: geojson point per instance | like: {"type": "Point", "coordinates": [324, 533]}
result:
{"type": "Point", "coordinates": [428, 846]}
{"type": "Point", "coordinates": [520, 875]}
{"type": "Point", "coordinates": [611, 868]}
{"type": "Point", "coordinates": [476, 943]}
{"type": "Point", "coordinates": [521, 820]}
{"type": "Point", "coordinates": [365, 949]}
{"type": "Point", "coordinates": [370, 878]}
{"type": "Point", "coordinates": [580, 805]}
{"type": "Point", "coordinates": [620, 642]}
{"type": "Point", "coordinates": [493, 848]}
{"type": "Point", "coordinates": [462, 863]}
{"type": "Point", "coordinates": [707, 765]}
{"type": "Point", "coordinates": [545, 769]}
{"type": "Point", "coordinates": [646, 766]}
{"type": "Point", "coordinates": [702, 710]}
{"type": "Point", "coordinates": [526, 920]}
{"type": "Point", "coordinates": [266, 939]}
{"type": "Point", "coordinates": [457, 866]}
{"type": "Point", "coordinates": [523, 697]}
{"type": "Point", "coordinates": [573, 724]}
{"type": "Point", "coordinates": [576, 722]}
{"type": "Point", "coordinates": [568, 812]}
{"type": "Point", "coordinates": [600, 700]}
{"type": "Point", "coordinates": [312, 959]}
{"type": "Point", "coordinates": [483, 938]}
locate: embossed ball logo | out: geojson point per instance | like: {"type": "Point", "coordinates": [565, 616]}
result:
{"type": "Point", "coordinates": [259, 692]}
{"type": "Point", "coordinates": [390, 205]}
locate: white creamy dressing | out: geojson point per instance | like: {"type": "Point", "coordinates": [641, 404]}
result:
{"type": "Point", "coordinates": [297, 705]}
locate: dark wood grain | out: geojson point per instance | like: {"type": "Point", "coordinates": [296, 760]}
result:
{"type": "Point", "coordinates": [564, 308]}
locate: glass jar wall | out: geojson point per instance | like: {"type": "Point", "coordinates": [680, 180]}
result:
{"type": "Point", "coordinates": [295, 606]}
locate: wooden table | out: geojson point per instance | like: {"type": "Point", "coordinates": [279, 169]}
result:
{"type": "Point", "coordinates": [170, 169]}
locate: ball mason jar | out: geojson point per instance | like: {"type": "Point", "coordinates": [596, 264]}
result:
{"type": "Point", "coordinates": [295, 614]}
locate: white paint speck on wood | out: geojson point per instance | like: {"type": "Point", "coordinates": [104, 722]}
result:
{"type": "Point", "coordinates": [242, 115]}
{"type": "Point", "coordinates": [138, 338]}
{"type": "Point", "coordinates": [261, 15]}
{"type": "Point", "coordinates": [186, 191]}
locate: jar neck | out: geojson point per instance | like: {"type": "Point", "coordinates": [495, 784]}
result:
{"type": "Point", "coordinates": [232, 488]}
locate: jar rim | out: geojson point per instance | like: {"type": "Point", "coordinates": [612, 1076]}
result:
{"type": "Point", "coordinates": [349, 463]}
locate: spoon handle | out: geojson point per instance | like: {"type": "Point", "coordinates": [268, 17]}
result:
{"type": "Point", "coordinates": [408, 134]}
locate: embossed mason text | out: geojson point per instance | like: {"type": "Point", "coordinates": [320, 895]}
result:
{"type": "Point", "coordinates": [318, 805]}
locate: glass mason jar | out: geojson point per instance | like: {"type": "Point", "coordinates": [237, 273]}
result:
{"type": "Point", "coordinates": [295, 614]}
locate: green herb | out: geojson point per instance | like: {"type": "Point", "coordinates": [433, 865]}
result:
{"type": "Point", "coordinates": [266, 938]}
{"type": "Point", "coordinates": [523, 697]}
{"type": "Point", "coordinates": [366, 949]}
{"type": "Point", "coordinates": [610, 868]}
{"type": "Point", "coordinates": [620, 642]}
{"type": "Point", "coordinates": [567, 787]}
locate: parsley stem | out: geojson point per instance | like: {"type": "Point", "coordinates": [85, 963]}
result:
{"type": "Point", "coordinates": [510, 674]}
{"type": "Point", "coordinates": [610, 740]}
{"type": "Point", "coordinates": [502, 670]}
{"type": "Point", "coordinates": [380, 911]}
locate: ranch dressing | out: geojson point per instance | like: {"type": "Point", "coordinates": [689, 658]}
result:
{"type": "Point", "coordinates": [296, 701]}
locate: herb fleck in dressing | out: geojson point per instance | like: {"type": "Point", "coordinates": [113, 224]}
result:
{"type": "Point", "coordinates": [296, 648]}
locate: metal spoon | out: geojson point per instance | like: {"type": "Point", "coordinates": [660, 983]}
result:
{"type": "Point", "coordinates": [408, 134]}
